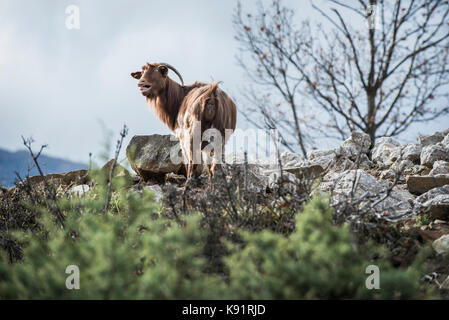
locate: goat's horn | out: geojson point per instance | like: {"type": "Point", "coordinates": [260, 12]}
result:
{"type": "Point", "coordinates": [174, 70]}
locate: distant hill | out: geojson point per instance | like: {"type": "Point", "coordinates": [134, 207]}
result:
{"type": "Point", "coordinates": [20, 161]}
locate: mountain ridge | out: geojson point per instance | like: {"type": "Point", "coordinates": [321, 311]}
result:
{"type": "Point", "coordinates": [20, 161]}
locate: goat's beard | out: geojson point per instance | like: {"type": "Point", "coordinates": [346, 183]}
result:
{"type": "Point", "coordinates": [148, 94]}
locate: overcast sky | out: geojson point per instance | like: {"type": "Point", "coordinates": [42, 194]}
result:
{"type": "Point", "coordinates": [59, 85]}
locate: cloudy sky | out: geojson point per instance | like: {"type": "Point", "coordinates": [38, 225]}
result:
{"type": "Point", "coordinates": [63, 87]}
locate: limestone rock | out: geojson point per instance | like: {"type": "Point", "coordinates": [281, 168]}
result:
{"type": "Point", "coordinates": [412, 152]}
{"type": "Point", "coordinates": [441, 245]}
{"type": "Point", "coordinates": [358, 142]}
{"type": "Point", "coordinates": [435, 202]}
{"type": "Point", "coordinates": [432, 153]}
{"type": "Point", "coordinates": [386, 151]}
{"type": "Point", "coordinates": [432, 139]}
{"type": "Point", "coordinates": [439, 167]}
{"type": "Point", "coordinates": [79, 190]}
{"type": "Point", "coordinates": [151, 155]}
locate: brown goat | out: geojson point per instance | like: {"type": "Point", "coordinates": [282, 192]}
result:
{"type": "Point", "coordinates": [182, 107]}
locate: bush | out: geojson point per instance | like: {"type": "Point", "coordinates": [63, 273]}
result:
{"type": "Point", "coordinates": [133, 251]}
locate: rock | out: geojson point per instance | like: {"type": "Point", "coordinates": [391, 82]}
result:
{"type": "Point", "coordinates": [445, 141]}
{"type": "Point", "coordinates": [342, 183]}
{"type": "Point", "coordinates": [119, 171]}
{"type": "Point", "coordinates": [358, 142]}
{"type": "Point", "coordinates": [422, 184]}
{"type": "Point", "coordinates": [79, 190]}
{"type": "Point", "coordinates": [287, 180]}
{"type": "Point", "coordinates": [417, 170]}
{"type": "Point", "coordinates": [432, 153]}
{"type": "Point", "coordinates": [439, 167]}
{"type": "Point", "coordinates": [175, 178]}
{"type": "Point", "coordinates": [433, 231]}
{"type": "Point", "coordinates": [66, 179]}
{"type": "Point", "coordinates": [367, 188]}
{"type": "Point", "coordinates": [157, 191]}
{"type": "Point", "coordinates": [441, 245]}
{"type": "Point", "coordinates": [412, 152]}
{"type": "Point", "coordinates": [290, 159]}
{"type": "Point", "coordinates": [150, 156]}
{"type": "Point", "coordinates": [386, 151]}
{"type": "Point", "coordinates": [313, 154]}
{"type": "Point", "coordinates": [435, 202]}
{"type": "Point", "coordinates": [432, 139]}
{"type": "Point", "coordinates": [306, 172]}
{"type": "Point", "coordinates": [399, 202]}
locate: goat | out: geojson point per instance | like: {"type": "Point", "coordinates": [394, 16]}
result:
{"type": "Point", "coordinates": [182, 108]}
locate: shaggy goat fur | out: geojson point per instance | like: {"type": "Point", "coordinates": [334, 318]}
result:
{"type": "Point", "coordinates": [181, 107]}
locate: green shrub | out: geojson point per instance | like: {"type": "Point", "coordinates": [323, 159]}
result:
{"type": "Point", "coordinates": [132, 252]}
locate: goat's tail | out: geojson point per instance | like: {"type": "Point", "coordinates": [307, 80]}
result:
{"type": "Point", "coordinates": [210, 102]}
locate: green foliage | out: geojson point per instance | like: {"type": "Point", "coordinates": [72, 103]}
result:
{"type": "Point", "coordinates": [318, 261]}
{"type": "Point", "coordinates": [132, 251]}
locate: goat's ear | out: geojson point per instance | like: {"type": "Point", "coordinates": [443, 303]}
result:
{"type": "Point", "coordinates": [163, 70]}
{"type": "Point", "coordinates": [136, 75]}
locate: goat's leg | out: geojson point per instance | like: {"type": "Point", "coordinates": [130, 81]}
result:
{"type": "Point", "coordinates": [191, 164]}
{"type": "Point", "coordinates": [216, 162]}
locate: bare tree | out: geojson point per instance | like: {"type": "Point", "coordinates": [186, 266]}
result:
{"type": "Point", "coordinates": [374, 66]}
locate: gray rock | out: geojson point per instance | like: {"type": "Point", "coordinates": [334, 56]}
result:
{"type": "Point", "coordinates": [441, 245]}
{"type": "Point", "coordinates": [439, 167]}
{"type": "Point", "coordinates": [290, 159]}
{"type": "Point", "coordinates": [287, 180]}
{"type": "Point", "coordinates": [157, 191]}
{"type": "Point", "coordinates": [367, 189]}
{"type": "Point", "coordinates": [432, 139]}
{"type": "Point", "coordinates": [150, 156]}
{"type": "Point", "coordinates": [386, 151]}
{"type": "Point", "coordinates": [80, 190]}
{"type": "Point", "coordinates": [358, 142]}
{"type": "Point", "coordinates": [412, 152]}
{"type": "Point", "coordinates": [445, 141]}
{"type": "Point", "coordinates": [435, 202]}
{"type": "Point", "coordinates": [432, 153]}
{"type": "Point", "coordinates": [314, 154]}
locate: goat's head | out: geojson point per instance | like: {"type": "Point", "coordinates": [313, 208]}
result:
{"type": "Point", "coordinates": [153, 78]}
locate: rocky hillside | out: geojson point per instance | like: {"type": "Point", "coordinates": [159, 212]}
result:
{"type": "Point", "coordinates": [396, 194]}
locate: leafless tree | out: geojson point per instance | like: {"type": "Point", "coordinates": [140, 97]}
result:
{"type": "Point", "coordinates": [374, 66]}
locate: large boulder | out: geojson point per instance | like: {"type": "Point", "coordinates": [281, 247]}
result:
{"type": "Point", "coordinates": [151, 156]}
